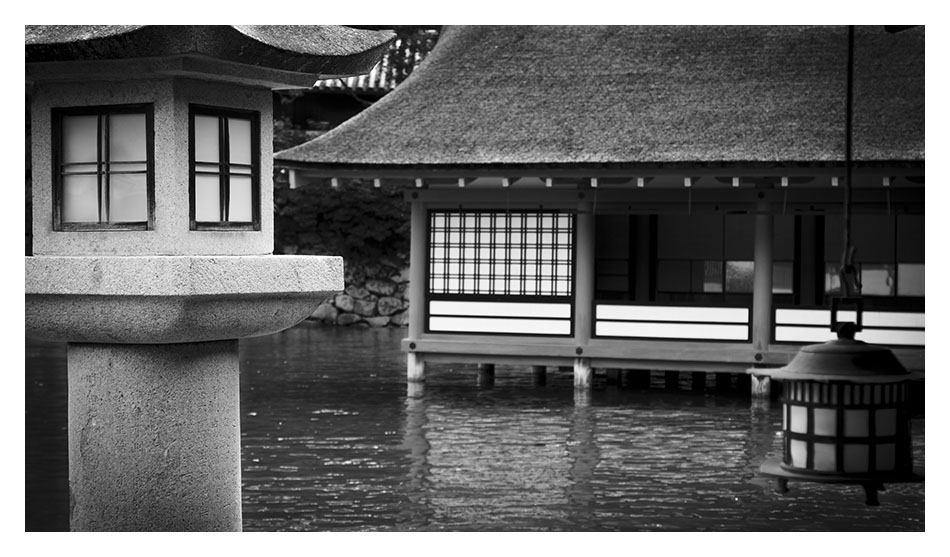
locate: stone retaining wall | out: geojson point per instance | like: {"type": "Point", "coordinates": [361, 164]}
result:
{"type": "Point", "coordinates": [375, 296]}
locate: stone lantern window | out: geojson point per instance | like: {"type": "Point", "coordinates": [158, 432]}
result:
{"type": "Point", "coordinates": [224, 170]}
{"type": "Point", "coordinates": [104, 167]}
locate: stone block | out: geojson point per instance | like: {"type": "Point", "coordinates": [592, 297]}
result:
{"type": "Point", "coordinates": [388, 305]}
{"type": "Point", "coordinates": [365, 308]}
{"type": "Point", "coordinates": [380, 321]}
{"type": "Point", "coordinates": [348, 319]}
{"type": "Point", "coordinates": [357, 292]}
{"type": "Point", "coordinates": [326, 312]}
{"type": "Point", "coordinates": [399, 319]}
{"type": "Point", "coordinates": [381, 287]}
{"type": "Point", "coordinates": [343, 302]}
{"type": "Point", "coordinates": [402, 277]}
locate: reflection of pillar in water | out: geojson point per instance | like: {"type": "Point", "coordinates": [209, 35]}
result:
{"type": "Point", "coordinates": [761, 440]}
{"type": "Point", "coordinates": [583, 454]}
{"type": "Point", "coordinates": [417, 446]}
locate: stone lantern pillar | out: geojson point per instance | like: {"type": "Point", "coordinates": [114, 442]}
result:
{"type": "Point", "coordinates": [153, 242]}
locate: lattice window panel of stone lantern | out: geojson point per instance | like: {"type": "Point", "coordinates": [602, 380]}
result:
{"type": "Point", "coordinates": [103, 167]}
{"type": "Point", "coordinates": [224, 169]}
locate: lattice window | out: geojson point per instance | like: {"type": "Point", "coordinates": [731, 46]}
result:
{"type": "Point", "coordinates": [224, 169]}
{"type": "Point", "coordinates": [501, 253]}
{"type": "Point", "coordinates": [104, 175]}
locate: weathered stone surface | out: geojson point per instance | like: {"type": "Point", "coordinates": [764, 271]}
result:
{"type": "Point", "coordinates": [365, 308]}
{"type": "Point", "coordinates": [148, 424]}
{"type": "Point", "coordinates": [169, 299]}
{"type": "Point", "coordinates": [388, 305]}
{"type": "Point", "coordinates": [381, 287]}
{"type": "Point", "coordinates": [380, 321]}
{"type": "Point", "coordinates": [400, 319]}
{"type": "Point", "coordinates": [344, 302]}
{"type": "Point", "coordinates": [182, 275]}
{"type": "Point", "coordinates": [357, 292]}
{"type": "Point", "coordinates": [355, 275]}
{"type": "Point", "coordinates": [348, 319]}
{"type": "Point", "coordinates": [402, 277]}
{"type": "Point", "coordinates": [325, 312]}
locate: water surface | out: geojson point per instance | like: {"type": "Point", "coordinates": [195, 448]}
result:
{"type": "Point", "coordinates": [333, 439]}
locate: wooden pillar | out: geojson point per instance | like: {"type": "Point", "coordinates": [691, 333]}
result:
{"type": "Point", "coordinates": [671, 380]}
{"type": "Point", "coordinates": [583, 290]}
{"type": "Point", "coordinates": [698, 381]}
{"type": "Point", "coordinates": [641, 265]}
{"type": "Point", "coordinates": [808, 257]}
{"type": "Point", "coordinates": [416, 367]}
{"type": "Point", "coordinates": [762, 283]}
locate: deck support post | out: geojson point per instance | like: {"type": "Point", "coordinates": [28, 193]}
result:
{"type": "Point", "coordinates": [415, 368]}
{"type": "Point", "coordinates": [486, 375]}
{"type": "Point", "coordinates": [583, 373]}
{"type": "Point", "coordinates": [583, 290]}
{"type": "Point", "coordinates": [635, 379]}
{"type": "Point", "coordinates": [761, 386]}
{"type": "Point", "coordinates": [539, 373]}
{"type": "Point", "coordinates": [698, 381]}
{"type": "Point", "coordinates": [417, 307]}
{"type": "Point", "coordinates": [762, 282]}
{"type": "Point", "coordinates": [671, 380]}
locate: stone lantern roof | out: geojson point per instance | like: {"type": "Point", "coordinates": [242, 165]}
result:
{"type": "Point", "coordinates": [277, 56]}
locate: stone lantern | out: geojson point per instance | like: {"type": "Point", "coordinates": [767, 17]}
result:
{"type": "Point", "coordinates": [153, 249]}
{"type": "Point", "coordinates": [845, 416]}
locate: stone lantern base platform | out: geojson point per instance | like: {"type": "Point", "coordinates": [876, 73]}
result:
{"type": "Point", "coordinates": [168, 299]}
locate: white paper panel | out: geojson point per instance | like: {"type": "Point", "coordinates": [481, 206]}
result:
{"type": "Point", "coordinates": [499, 325]}
{"type": "Point", "coordinates": [500, 309]}
{"type": "Point", "coordinates": [671, 313]}
{"type": "Point", "coordinates": [672, 330]}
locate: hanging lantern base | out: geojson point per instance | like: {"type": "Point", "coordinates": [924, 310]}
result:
{"type": "Point", "coordinates": [871, 483]}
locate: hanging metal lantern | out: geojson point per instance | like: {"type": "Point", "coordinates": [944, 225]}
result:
{"type": "Point", "coordinates": [845, 416]}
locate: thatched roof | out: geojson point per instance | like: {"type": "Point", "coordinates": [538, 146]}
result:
{"type": "Point", "coordinates": [514, 96]}
{"type": "Point", "coordinates": [323, 50]}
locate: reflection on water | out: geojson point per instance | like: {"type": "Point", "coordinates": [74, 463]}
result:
{"type": "Point", "coordinates": [335, 439]}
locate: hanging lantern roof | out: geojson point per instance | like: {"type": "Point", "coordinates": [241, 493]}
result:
{"type": "Point", "coordinates": [843, 359]}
